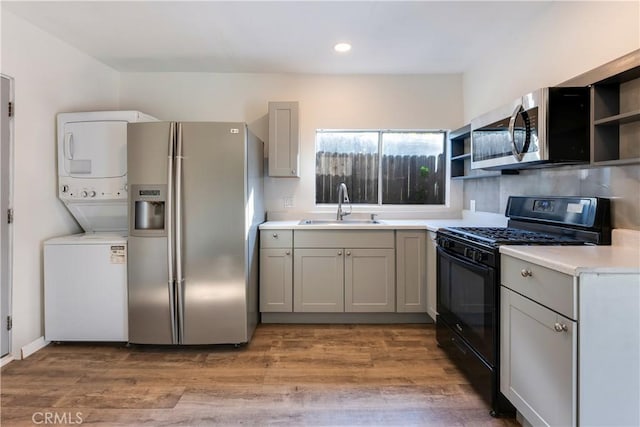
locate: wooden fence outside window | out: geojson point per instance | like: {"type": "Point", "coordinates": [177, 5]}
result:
{"type": "Point", "coordinates": [405, 179]}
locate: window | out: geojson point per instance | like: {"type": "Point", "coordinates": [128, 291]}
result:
{"type": "Point", "coordinates": [381, 167]}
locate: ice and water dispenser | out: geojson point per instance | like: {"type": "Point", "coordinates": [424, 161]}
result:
{"type": "Point", "coordinates": [149, 208]}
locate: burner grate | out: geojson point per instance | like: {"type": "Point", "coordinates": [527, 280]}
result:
{"type": "Point", "coordinates": [507, 235]}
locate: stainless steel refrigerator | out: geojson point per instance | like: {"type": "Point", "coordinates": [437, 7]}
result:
{"type": "Point", "coordinates": [195, 203]}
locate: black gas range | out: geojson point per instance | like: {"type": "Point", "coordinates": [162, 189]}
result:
{"type": "Point", "coordinates": [468, 271]}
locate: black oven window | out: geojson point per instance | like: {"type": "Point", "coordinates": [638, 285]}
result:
{"type": "Point", "coordinates": [468, 300]}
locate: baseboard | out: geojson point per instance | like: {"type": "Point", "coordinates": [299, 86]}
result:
{"type": "Point", "coordinates": [6, 359]}
{"type": "Point", "coordinates": [34, 346]}
{"type": "Point", "coordinates": [349, 318]}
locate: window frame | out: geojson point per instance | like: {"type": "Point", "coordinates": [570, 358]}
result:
{"type": "Point", "coordinates": [380, 205]}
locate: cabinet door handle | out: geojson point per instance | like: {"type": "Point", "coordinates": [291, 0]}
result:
{"type": "Point", "coordinates": [348, 253]}
{"type": "Point", "coordinates": [560, 327]}
{"type": "Point", "coordinates": [339, 252]}
{"type": "Point", "coordinates": [526, 273]}
{"type": "Point", "coordinates": [288, 253]}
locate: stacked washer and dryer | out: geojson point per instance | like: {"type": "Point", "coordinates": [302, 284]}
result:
{"type": "Point", "coordinates": [85, 275]}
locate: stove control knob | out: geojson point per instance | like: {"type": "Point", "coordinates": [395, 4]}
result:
{"type": "Point", "coordinates": [65, 188]}
{"type": "Point", "coordinates": [84, 194]}
{"type": "Point", "coordinates": [444, 243]}
{"type": "Point", "coordinates": [92, 194]}
{"type": "Point", "coordinates": [526, 273]}
{"type": "Point", "coordinates": [476, 256]}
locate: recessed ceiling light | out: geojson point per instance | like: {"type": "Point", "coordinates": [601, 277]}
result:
{"type": "Point", "coordinates": [342, 47]}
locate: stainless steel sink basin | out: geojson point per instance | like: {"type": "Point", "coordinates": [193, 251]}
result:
{"type": "Point", "coordinates": [345, 222]}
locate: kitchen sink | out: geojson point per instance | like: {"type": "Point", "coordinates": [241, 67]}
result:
{"type": "Point", "coordinates": [345, 222]}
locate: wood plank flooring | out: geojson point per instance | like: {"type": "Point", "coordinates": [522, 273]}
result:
{"type": "Point", "coordinates": [292, 375]}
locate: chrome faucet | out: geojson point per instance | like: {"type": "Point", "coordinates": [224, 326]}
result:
{"type": "Point", "coordinates": [343, 197]}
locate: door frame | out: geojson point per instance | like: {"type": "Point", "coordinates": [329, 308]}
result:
{"type": "Point", "coordinates": [9, 237]}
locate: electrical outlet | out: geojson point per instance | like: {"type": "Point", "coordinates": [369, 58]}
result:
{"type": "Point", "coordinates": [472, 205]}
{"type": "Point", "coordinates": [288, 202]}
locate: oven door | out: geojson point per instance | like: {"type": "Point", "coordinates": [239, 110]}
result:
{"type": "Point", "coordinates": [466, 301]}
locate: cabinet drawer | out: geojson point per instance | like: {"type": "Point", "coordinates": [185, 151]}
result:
{"type": "Point", "coordinates": [344, 239]}
{"type": "Point", "coordinates": [276, 238]}
{"type": "Point", "coordinates": [550, 288]}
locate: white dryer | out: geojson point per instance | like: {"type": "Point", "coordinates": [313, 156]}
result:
{"type": "Point", "coordinates": [85, 275]}
{"type": "Point", "coordinates": [92, 167]}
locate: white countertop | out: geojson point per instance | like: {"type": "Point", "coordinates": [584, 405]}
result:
{"type": "Point", "coordinates": [469, 219]}
{"type": "Point", "coordinates": [623, 256]}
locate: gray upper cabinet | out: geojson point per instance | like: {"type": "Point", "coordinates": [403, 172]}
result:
{"type": "Point", "coordinates": [615, 110]}
{"type": "Point", "coordinates": [284, 136]}
{"type": "Point", "coordinates": [616, 119]}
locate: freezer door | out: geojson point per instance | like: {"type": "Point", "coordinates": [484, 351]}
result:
{"type": "Point", "coordinates": [150, 263]}
{"type": "Point", "coordinates": [213, 287]}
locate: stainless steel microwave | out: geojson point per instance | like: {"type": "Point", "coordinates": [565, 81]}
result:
{"type": "Point", "coordinates": [547, 127]}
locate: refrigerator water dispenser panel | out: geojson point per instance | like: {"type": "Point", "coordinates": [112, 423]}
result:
{"type": "Point", "coordinates": [149, 215]}
{"type": "Point", "coordinates": [149, 210]}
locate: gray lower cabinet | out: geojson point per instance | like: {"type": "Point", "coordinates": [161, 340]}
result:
{"type": "Point", "coordinates": [344, 280]}
{"type": "Point", "coordinates": [276, 271]}
{"type": "Point", "coordinates": [411, 274]}
{"type": "Point", "coordinates": [369, 280]}
{"type": "Point", "coordinates": [336, 271]}
{"type": "Point", "coordinates": [318, 280]}
{"type": "Point", "coordinates": [539, 339]}
{"type": "Point", "coordinates": [539, 365]}
{"type": "Point", "coordinates": [569, 347]}
{"type": "Point", "coordinates": [432, 277]}
{"type": "Point", "coordinates": [276, 280]}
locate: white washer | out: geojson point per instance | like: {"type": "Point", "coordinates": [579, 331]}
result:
{"type": "Point", "coordinates": [85, 288]}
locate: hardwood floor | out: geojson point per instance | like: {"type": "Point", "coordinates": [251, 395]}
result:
{"type": "Point", "coordinates": [312, 375]}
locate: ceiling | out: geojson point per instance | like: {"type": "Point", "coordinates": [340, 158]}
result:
{"type": "Point", "coordinates": [388, 37]}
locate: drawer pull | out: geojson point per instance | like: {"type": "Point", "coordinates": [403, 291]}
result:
{"type": "Point", "coordinates": [348, 253]}
{"type": "Point", "coordinates": [560, 327]}
{"type": "Point", "coordinates": [526, 273]}
{"type": "Point", "coordinates": [288, 252]}
{"type": "Point", "coordinates": [339, 252]}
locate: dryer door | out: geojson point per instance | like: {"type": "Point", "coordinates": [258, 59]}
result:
{"type": "Point", "coordinates": [95, 149]}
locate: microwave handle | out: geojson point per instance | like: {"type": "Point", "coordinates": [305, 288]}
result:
{"type": "Point", "coordinates": [512, 133]}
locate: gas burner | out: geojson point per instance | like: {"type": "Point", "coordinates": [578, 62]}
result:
{"type": "Point", "coordinates": [512, 236]}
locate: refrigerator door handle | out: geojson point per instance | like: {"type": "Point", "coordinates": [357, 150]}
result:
{"type": "Point", "coordinates": [170, 226]}
{"type": "Point", "coordinates": [178, 232]}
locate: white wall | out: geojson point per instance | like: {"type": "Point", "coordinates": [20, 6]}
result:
{"type": "Point", "coordinates": [566, 39]}
{"type": "Point", "coordinates": [326, 102]}
{"type": "Point", "coordinates": [50, 77]}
